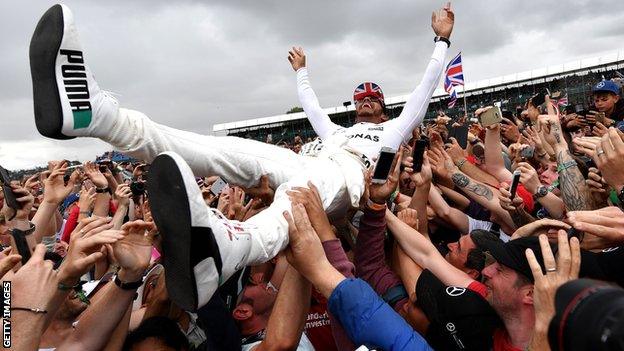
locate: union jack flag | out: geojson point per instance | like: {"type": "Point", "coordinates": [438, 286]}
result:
{"type": "Point", "coordinates": [563, 101]}
{"type": "Point", "coordinates": [453, 96]}
{"type": "Point", "coordinates": [454, 73]}
{"type": "Point", "coordinates": [368, 89]}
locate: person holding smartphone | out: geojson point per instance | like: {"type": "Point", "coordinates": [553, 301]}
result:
{"type": "Point", "coordinates": [62, 111]}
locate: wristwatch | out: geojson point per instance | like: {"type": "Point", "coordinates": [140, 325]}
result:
{"type": "Point", "coordinates": [541, 192]}
{"type": "Point", "coordinates": [128, 285]}
{"type": "Point", "coordinates": [27, 231]}
{"type": "Point", "coordinates": [439, 38]}
{"type": "Point", "coordinates": [102, 190]}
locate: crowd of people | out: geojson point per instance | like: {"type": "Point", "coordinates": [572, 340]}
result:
{"type": "Point", "coordinates": [499, 234]}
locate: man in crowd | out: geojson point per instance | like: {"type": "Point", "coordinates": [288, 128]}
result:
{"type": "Point", "coordinates": [203, 247]}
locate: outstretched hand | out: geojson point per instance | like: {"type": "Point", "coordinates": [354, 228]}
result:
{"type": "Point", "coordinates": [297, 58]}
{"type": "Point", "coordinates": [379, 193]}
{"type": "Point", "coordinates": [442, 21]}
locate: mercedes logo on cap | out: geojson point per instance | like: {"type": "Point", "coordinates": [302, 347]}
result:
{"type": "Point", "coordinates": [455, 291]}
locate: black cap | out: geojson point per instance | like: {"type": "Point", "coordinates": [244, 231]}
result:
{"type": "Point", "coordinates": [461, 319]}
{"type": "Point", "coordinates": [589, 315]}
{"type": "Point", "coordinates": [512, 254]}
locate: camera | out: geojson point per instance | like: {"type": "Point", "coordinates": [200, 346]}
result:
{"type": "Point", "coordinates": [137, 188]}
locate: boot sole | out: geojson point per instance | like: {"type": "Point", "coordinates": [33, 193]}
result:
{"type": "Point", "coordinates": [44, 48]}
{"type": "Point", "coordinates": [183, 245]}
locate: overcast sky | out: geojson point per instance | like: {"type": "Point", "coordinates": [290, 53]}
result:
{"type": "Point", "coordinates": [191, 64]}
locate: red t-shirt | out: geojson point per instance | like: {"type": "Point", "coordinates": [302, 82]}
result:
{"type": "Point", "coordinates": [318, 326]}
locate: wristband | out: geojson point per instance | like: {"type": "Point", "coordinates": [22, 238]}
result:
{"type": "Point", "coordinates": [34, 310]}
{"type": "Point", "coordinates": [64, 287]}
{"type": "Point", "coordinates": [128, 285]}
{"type": "Point", "coordinates": [375, 206]}
{"type": "Point", "coordinates": [27, 231]}
{"type": "Point", "coordinates": [613, 197]}
{"type": "Point", "coordinates": [446, 40]}
{"type": "Point", "coordinates": [565, 165]}
{"type": "Point", "coordinates": [102, 190]}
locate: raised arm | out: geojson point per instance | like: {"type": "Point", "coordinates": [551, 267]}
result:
{"type": "Point", "coordinates": [413, 113]}
{"type": "Point", "coordinates": [323, 126]}
{"type": "Point", "coordinates": [425, 254]}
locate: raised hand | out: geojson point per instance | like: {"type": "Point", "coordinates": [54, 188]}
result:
{"type": "Point", "coordinates": [379, 193]}
{"type": "Point", "coordinates": [409, 216]}
{"type": "Point", "coordinates": [134, 251]}
{"type": "Point", "coordinates": [297, 58]}
{"type": "Point", "coordinates": [313, 204]}
{"type": "Point", "coordinates": [55, 189]}
{"type": "Point", "coordinates": [528, 177]}
{"type": "Point", "coordinates": [86, 200]}
{"type": "Point", "coordinates": [92, 171]}
{"type": "Point", "coordinates": [304, 251]}
{"type": "Point", "coordinates": [606, 223]}
{"type": "Point", "coordinates": [442, 21]}
{"type": "Point", "coordinates": [25, 201]}
{"type": "Point", "coordinates": [262, 191]}
{"type": "Point", "coordinates": [123, 194]}
{"type": "Point", "coordinates": [85, 244]}
{"type": "Point", "coordinates": [559, 271]}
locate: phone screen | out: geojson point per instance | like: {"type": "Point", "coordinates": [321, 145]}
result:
{"type": "Point", "coordinates": [418, 154]}
{"type": "Point", "coordinates": [384, 162]}
{"type": "Point", "coordinates": [514, 184]}
{"type": "Point", "coordinates": [461, 135]}
{"type": "Point", "coordinates": [217, 186]}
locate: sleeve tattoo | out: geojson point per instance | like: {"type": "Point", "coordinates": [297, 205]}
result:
{"type": "Point", "coordinates": [462, 181]}
{"type": "Point", "coordinates": [573, 187]}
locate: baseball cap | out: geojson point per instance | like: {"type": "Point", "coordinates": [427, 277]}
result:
{"type": "Point", "coordinates": [460, 318]}
{"type": "Point", "coordinates": [606, 86]}
{"type": "Point", "coordinates": [589, 315]}
{"type": "Point", "coordinates": [368, 89]}
{"type": "Point", "coordinates": [512, 254]}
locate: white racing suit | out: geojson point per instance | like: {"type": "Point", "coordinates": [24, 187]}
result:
{"type": "Point", "coordinates": [334, 166]}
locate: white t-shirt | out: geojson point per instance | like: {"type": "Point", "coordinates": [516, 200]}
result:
{"type": "Point", "coordinates": [484, 225]}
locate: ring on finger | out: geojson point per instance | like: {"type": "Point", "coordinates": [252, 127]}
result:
{"type": "Point", "coordinates": [550, 270]}
{"type": "Point", "coordinates": [600, 152]}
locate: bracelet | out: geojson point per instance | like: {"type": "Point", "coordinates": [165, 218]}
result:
{"type": "Point", "coordinates": [375, 206]}
{"type": "Point", "coordinates": [565, 165]}
{"type": "Point", "coordinates": [34, 310]}
{"type": "Point", "coordinates": [461, 163]}
{"type": "Point", "coordinates": [446, 40]}
{"type": "Point", "coordinates": [102, 190]}
{"type": "Point", "coordinates": [64, 287]}
{"type": "Point", "coordinates": [128, 285]}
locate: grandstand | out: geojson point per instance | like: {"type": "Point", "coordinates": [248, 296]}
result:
{"type": "Point", "coordinates": [573, 79]}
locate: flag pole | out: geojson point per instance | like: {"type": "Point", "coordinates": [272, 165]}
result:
{"type": "Point", "coordinates": [464, 93]}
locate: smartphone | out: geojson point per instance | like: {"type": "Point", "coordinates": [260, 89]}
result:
{"type": "Point", "coordinates": [538, 99]}
{"type": "Point", "coordinates": [491, 116]}
{"type": "Point", "coordinates": [600, 116]}
{"type": "Point", "coordinates": [22, 246]}
{"type": "Point", "coordinates": [9, 196]}
{"type": "Point", "coordinates": [461, 135]}
{"type": "Point", "coordinates": [218, 186]}
{"type": "Point", "coordinates": [514, 184]}
{"type": "Point", "coordinates": [418, 154]}
{"type": "Point", "coordinates": [383, 165]}
{"type": "Point", "coordinates": [527, 152]}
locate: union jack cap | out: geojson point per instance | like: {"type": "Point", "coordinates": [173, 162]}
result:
{"type": "Point", "coordinates": [368, 89]}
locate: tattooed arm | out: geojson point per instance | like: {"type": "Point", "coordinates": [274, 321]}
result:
{"type": "Point", "coordinates": [482, 194]}
{"type": "Point", "coordinates": [576, 196]}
